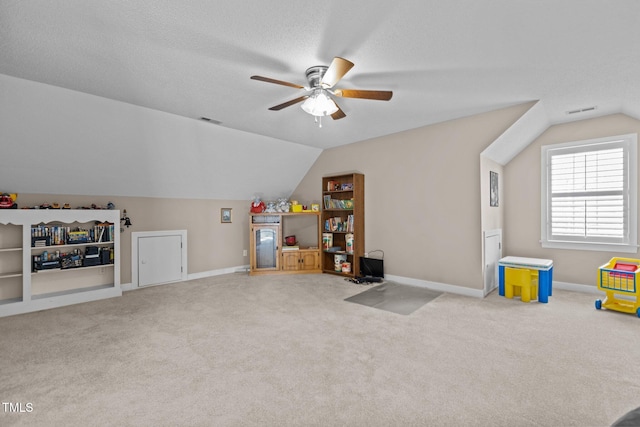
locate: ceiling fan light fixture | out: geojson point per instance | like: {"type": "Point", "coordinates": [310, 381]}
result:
{"type": "Point", "coordinates": [319, 104]}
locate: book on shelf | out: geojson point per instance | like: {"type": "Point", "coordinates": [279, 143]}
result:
{"type": "Point", "coordinates": [337, 224]}
{"type": "Point", "coordinates": [290, 248]}
{"type": "Point", "coordinates": [55, 235]}
{"type": "Point", "coordinates": [327, 201]}
{"type": "Point", "coordinates": [330, 203]}
{"type": "Point", "coordinates": [333, 185]}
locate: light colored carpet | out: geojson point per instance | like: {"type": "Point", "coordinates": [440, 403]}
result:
{"type": "Point", "coordinates": [236, 350]}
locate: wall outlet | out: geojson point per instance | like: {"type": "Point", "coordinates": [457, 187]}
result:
{"type": "Point", "coordinates": [244, 252]}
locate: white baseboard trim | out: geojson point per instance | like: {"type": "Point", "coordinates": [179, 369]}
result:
{"type": "Point", "coordinates": [229, 270]}
{"type": "Point", "coordinates": [576, 287]}
{"type": "Point", "coordinates": [479, 293]}
{"type": "Point", "coordinates": [210, 273]}
{"type": "Point", "coordinates": [436, 286]}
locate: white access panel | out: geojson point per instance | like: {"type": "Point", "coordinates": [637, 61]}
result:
{"type": "Point", "coordinates": [492, 254]}
{"type": "Point", "coordinates": [161, 257]}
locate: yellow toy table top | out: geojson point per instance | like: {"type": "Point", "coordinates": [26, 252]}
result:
{"type": "Point", "coordinates": [533, 263]}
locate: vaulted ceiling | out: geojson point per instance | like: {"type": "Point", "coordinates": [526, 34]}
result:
{"type": "Point", "coordinates": [442, 59]}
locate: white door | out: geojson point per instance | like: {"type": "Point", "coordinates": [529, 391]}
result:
{"type": "Point", "coordinates": [492, 254]}
{"type": "Point", "coordinates": [159, 259]}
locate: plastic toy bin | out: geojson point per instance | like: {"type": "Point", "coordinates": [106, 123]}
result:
{"type": "Point", "coordinates": [618, 279]}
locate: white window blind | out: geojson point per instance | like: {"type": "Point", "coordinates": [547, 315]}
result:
{"type": "Point", "coordinates": [589, 195]}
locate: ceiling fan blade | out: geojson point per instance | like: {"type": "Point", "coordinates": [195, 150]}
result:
{"type": "Point", "coordinates": [288, 103]}
{"type": "Point", "coordinates": [380, 95]}
{"type": "Point", "coordinates": [338, 68]}
{"type": "Point", "coordinates": [278, 82]}
{"type": "Point", "coordinates": [338, 114]}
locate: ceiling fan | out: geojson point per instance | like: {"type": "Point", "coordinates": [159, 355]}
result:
{"type": "Point", "coordinates": [322, 79]}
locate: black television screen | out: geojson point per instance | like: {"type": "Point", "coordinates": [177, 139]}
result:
{"type": "Point", "coordinates": [371, 267]}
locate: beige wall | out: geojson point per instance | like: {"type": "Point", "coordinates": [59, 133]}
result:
{"type": "Point", "coordinates": [211, 244]}
{"type": "Point", "coordinates": [426, 202]}
{"type": "Point", "coordinates": [522, 184]}
{"type": "Point", "coordinates": [422, 195]}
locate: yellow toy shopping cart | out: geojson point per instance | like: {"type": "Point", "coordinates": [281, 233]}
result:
{"type": "Point", "coordinates": [619, 280]}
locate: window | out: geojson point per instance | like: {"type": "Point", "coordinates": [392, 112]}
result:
{"type": "Point", "coordinates": [589, 192]}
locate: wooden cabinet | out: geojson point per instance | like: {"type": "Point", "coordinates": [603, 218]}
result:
{"type": "Point", "coordinates": [301, 260]}
{"type": "Point", "coordinates": [342, 223]}
{"type": "Point", "coordinates": [266, 242]}
{"type": "Point", "coordinates": [46, 263]}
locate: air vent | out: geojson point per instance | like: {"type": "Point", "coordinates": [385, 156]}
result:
{"type": "Point", "coordinates": [582, 110]}
{"type": "Point", "coordinates": [207, 119]}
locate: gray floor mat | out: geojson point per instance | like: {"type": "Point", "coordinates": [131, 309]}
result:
{"type": "Point", "coordinates": [394, 297]}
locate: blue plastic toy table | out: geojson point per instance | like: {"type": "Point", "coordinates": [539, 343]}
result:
{"type": "Point", "coordinates": [545, 273]}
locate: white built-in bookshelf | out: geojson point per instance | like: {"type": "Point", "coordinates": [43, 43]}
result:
{"type": "Point", "coordinates": [55, 257]}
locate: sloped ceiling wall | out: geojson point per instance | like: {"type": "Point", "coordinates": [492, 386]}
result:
{"type": "Point", "coordinates": [519, 135]}
{"type": "Point", "coordinates": [59, 141]}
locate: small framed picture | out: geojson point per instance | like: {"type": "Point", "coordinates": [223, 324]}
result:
{"type": "Point", "coordinates": [493, 189]}
{"type": "Point", "coordinates": [225, 215]}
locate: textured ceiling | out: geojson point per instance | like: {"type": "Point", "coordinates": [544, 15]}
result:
{"type": "Point", "coordinates": [442, 59]}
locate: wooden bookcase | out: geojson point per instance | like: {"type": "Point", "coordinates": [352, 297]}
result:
{"type": "Point", "coordinates": [27, 286]}
{"type": "Point", "coordinates": [342, 222]}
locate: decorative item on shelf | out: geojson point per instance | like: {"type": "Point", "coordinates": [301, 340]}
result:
{"type": "Point", "coordinates": [290, 240]}
{"type": "Point", "coordinates": [126, 220]}
{"type": "Point", "coordinates": [349, 242]}
{"type": "Point", "coordinates": [346, 267]}
{"type": "Point", "coordinates": [315, 207]}
{"type": "Point", "coordinates": [91, 256]}
{"type": "Point", "coordinates": [271, 207]}
{"type": "Point", "coordinates": [8, 201]}
{"type": "Point", "coordinates": [327, 241]}
{"type": "Point", "coordinates": [73, 260]}
{"type": "Point", "coordinates": [296, 207]}
{"type": "Point", "coordinates": [257, 205]}
{"type": "Point", "coordinates": [283, 205]}
{"type": "Point", "coordinates": [45, 262]}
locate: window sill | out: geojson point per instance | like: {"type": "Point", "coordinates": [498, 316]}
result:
{"type": "Point", "coordinates": [600, 247]}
